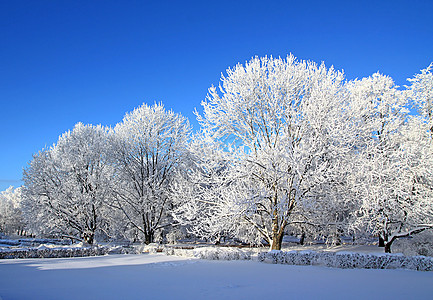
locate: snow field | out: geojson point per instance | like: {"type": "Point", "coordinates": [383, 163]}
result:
{"type": "Point", "coordinates": [157, 276]}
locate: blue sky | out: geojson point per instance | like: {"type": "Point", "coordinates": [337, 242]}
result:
{"type": "Point", "coordinates": [63, 62]}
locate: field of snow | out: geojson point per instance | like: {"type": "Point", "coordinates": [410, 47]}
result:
{"type": "Point", "coordinates": [157, 276]}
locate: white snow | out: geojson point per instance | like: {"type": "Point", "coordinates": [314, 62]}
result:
{"type": "Point", "coordinates": [156, 276]}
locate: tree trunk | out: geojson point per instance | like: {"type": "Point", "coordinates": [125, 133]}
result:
{"type": "Point", "coordinates": [277, 241]}
{"type": "Point", "coordinates": [277, 235]}
{"type": "Point", "coordinates": [381, 241]}
{"type": "Point", "coordinates": [149, 237]}
{"type": "Point", "coordinates": [388, 245]}
{"type": "Point", "coordinates": [336, 240]}
{"type": "Point", "coordinates": [301, 240]}
{"type": "Point", "coordinates": [89, 237]}
{"type": "Point", "coordinates": [388, 248]}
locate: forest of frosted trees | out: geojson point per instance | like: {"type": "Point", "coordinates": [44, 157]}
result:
{"type": "Point", "coordinates": [285, 147]}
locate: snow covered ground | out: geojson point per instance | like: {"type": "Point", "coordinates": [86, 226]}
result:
{"type": "Point", "coordinates": [157, 276]}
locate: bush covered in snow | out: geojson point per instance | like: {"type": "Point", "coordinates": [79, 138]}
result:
{"type": "Point", "coordinates": [213, 253]}
{"type": "Point", "coordinates": [47, 252]}
{"type": "Point", "coordinates": [343, 260]}
{"type": "Point", "coordinates": [33, 242]}
{"type": "Point", "coordinates": [419, 244]}
{"type": "Point", "coordinates": [348, 260]}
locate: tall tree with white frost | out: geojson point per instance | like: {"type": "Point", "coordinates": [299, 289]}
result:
{"type": "Point", "coordinates": [149, 146]}
{"type": "Point", "coordinates": [66, 186]}
{"type": "Point", "coordinates": [421, 92]}
{"type": "Point", "coordinates": [392, 173]}
{"type": "Point", "coordinates": [284, 126]}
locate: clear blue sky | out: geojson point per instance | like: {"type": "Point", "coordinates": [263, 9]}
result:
{"type": "Point", "coordinates": [63, 62]}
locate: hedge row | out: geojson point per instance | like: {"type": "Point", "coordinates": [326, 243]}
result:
{"type": "Point", "coordinates": [343, 260]}
{"type": "Point", "coordinates": [212, 253]}
{"type": "Point", "coordinates": [32, 241]}
{"type": "Point", "coordinates": [53, 252]}
{"type": "Point", "coordinates": [347, 260]}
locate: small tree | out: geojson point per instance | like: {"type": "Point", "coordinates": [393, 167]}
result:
{"type": "Point", "coordinates": [11, 219]}
{"type": "Point", "coordinates": [148, 147]}
{"type": "Point", "coordinates": [66, 186]}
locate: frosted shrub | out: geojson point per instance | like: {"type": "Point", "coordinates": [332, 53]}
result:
{"type": "Point", "coordinates": [212, 253]}
{"type": "Point", "coordinates": [348, 260]}
{"type": "Point", "coordinates": [150, 248]}
{"type": "Point", "coordinates": [44, 252]}
{"type": "Point", "coordinates": [326, 259]}
{"type": "Point", "coordinates": [420, 244]}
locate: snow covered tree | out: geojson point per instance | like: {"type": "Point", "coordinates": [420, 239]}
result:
{"type": "Point", "coordinates": [11, 220]}
{"type": "Point", "coordinates": [200, 194]}
{"type": "Point", "coordinates": [392, 173]}
{"type": "Point", "coordinates": [148, 147]}
{"type": "Point", "coordinates": [66, 186]}
{"type": "Point", "coordinates": [282, 123]}
{"type": "Point", "coordinates": [421, 92]}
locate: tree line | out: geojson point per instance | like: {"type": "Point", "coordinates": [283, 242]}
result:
{"type": "Point", "coordinates": [285, 146]}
